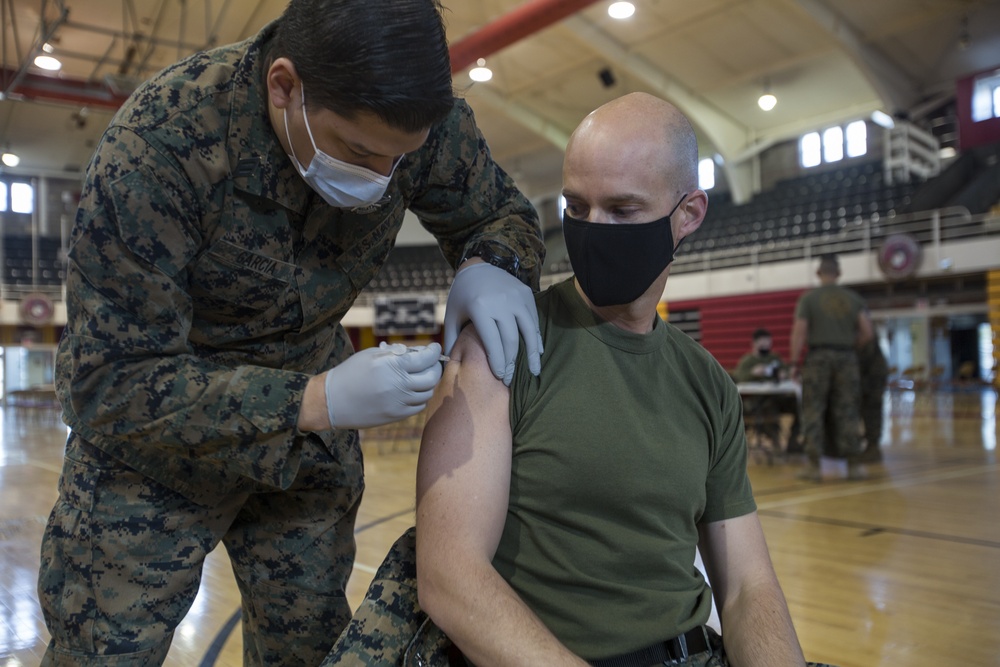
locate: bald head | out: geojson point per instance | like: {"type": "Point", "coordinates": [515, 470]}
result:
{"type": "Point", "coordinates": [638, 132]}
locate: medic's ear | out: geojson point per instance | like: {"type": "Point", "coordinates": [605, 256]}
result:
{"type": "Point", "coordinates": [282, 79]}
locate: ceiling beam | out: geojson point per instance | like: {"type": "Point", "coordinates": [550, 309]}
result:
{"type": "Point", "coordinates": [526, 20]}
{"type": "Point", "coordinates": [518, 112]}
{"type": "Point", "coordinates": [61, 90]}
{"type": "Point", "coordinates": [726, 134]}
{"type": "Point", "coordinates": [894, 86]}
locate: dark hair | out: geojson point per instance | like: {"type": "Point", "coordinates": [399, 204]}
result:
{"type": "Point", "coordinates": [386, 57]}
{"type": "Point", "coordinates": [761, 333]}
{"type": "Point", "coordinates": [829, 263]}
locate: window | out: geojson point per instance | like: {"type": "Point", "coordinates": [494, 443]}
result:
{"type": "Point", "coordinates": [809, 150]}
{"type": "Point", "coordinates": [986, 97]}
{"type": "Point", "coordinates": [834, 144]}
{"type": "Point", "coordinates": [3, 197]}
{"type": "Point", "coordinates": [857, 138]}
{"type": "Point", "coordinates": [706, 174]}
{"type": "Point", "coordinates": [22, 198]}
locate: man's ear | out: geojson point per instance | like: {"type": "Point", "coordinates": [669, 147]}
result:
{"type": "Point", "coordinates": [693, 210]}
{"type": "Point", "coordinates": [281, 81]}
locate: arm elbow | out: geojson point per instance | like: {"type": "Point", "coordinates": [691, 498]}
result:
{"type": "Point", "coordinates": [430, 589]}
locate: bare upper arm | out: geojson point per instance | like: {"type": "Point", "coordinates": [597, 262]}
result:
{"type": "Point", "coordinates": [463, 471]}
{"type": "Point", "coordinates": [735, 555]}
{"type": "Point", "coordinates": [865, 330]}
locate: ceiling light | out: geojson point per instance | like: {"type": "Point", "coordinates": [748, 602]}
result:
{"type": "Point", "coordinates": [767, 101]}
{"type": "Point", "coordinates": [621, 10]}
{"type": "Point", "coordinates": [10, 159]}
{"type": "Point", "coordinates": [48, 63]}
{"type": "Point", "coordinates": [47, 48]}
{"type": "Point", "coordinates": [481, 72]}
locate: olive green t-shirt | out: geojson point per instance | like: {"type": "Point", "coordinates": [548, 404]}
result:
{"type": "Point", "coordinates": [832, 313]}
{"type": "Point", "coordinates": [623, 445]}
{"type": "Point", "coordinates": [744, 369]}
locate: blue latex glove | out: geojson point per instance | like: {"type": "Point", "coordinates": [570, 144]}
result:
{"type": "Point", "coordinates": [381, 385]}
{"type": "Point", "coordinates": [499, 305]}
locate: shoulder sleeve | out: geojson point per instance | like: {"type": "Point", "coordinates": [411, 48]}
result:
{"type": "Point", "coordinates": [727, 491]}
{"type": "Point", "coordinates": [126, 369]}
{"type": "Point", "coordinates": [801, 305]}
{"type": "Point", "coordinates": [463, 197]}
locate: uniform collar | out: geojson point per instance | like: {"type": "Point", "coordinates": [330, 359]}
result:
{"type": "Point", "coordinates": [258, 162]}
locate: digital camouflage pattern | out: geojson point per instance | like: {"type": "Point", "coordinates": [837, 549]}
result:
{"type": "Point", "coordinates": [389, 628]}
{"type": "Point", "coordinates": [830, 400]}
{"type": "Point", "coordinates": [830, 389]}
{"type": "Point", "coordinates": [206, 284]}
{"type": "Point", "coordinates": [121, 564]}
{"type": "Point", "coordinates": [206, 281]}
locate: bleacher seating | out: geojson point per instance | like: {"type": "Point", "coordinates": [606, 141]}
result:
{"type": "Point", "coordinates": [821, 205]}
{"type": "Point", "coordinates": [413, 269]}
{"type": "Point", "coordinates": [20, 267]}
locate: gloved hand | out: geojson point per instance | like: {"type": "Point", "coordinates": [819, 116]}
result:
{"type": "Point", "coordinates": [382, 384]}
{"type": "Point", "coordinates": [498, 305]}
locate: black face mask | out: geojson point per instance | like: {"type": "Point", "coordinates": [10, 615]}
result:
{"type": "Point", "coordinates": [616, 263]}
{"type": "Point", "coordinates": [764, 351]}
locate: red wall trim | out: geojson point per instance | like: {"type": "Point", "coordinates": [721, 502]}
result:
{"type": "Point", "coordinates": [727, 323]}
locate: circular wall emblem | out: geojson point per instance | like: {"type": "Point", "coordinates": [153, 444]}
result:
{"type": "Point", "coordinates": [36, 309]}
{"type": "Point", "coordinates": [899, 256]}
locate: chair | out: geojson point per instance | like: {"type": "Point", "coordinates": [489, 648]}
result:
{"type": "Point", "coordinates": [937, 379]}
{"type": "Point", "coordinates": [968, 373]}
{"type": "Point", "coordinates": [912, 377]}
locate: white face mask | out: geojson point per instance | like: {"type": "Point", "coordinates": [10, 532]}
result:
{"type": "Point", "coordinates": [340, 184]}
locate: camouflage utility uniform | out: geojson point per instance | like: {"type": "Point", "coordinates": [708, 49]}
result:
{"type": "Point", "coordinates": [206, 284]}
{"type": "Point", "coordinates": [830, 389]}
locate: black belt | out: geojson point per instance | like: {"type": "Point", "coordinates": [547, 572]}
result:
{"type": "Point", "coordinates": [676, 649]}
{"type": "Point", "coordinates": [838, 348]}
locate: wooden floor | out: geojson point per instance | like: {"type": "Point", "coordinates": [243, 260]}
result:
{"type": "Point", "coordinates": [902, 569]}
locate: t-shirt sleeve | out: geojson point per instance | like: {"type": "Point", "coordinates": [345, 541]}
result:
{"type": "Point", "coordinates": [727, 490]}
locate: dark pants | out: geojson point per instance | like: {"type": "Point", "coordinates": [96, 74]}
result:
{"type": "Point", "coordinates": [122, 559]}
{"type": "Point", "coordinates": [872, 393]}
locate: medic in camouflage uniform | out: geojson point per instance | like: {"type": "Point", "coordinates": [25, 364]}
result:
{"type": "Point", "coordinates": [832, 320]}
{"type": "Point", "coordinates": [224, 230]}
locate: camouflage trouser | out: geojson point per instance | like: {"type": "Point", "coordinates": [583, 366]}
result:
{"type": "Point", "coordinates": [122, 559]}
{"type": "Point", "coordinates": [390, 630]}
{"type": "Point", "coordinates": [389, 627]}
{"type": "Point", "coordinates": [831, 396]}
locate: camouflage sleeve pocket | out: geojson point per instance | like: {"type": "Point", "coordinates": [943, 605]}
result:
{"type": "Point", "coordinates": [153, 221]}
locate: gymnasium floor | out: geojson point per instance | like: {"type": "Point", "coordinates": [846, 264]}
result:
{"type": "Point", "coordinates": [898, 570]}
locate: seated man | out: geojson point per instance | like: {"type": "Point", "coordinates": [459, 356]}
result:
{"type": "Point", "coordinates": [762, 413]}
{"type": "Point", "coordinates": [761, 363]}
{"type": "Point", "coordinates": [557, 519]}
